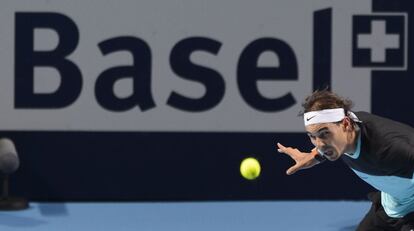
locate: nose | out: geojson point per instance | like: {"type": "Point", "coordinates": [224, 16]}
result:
{"type": "Point", "coordinates": [318, 143]}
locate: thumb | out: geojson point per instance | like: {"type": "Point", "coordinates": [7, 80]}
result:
{"type": "Point", "coordinates": [292, 170]}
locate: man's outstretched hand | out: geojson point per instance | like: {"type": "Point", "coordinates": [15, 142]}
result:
{"type": "Point", "coordinates": [302, 160]}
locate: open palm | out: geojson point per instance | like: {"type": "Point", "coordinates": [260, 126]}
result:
{"type": "Point", "coordinates": [302, 160]}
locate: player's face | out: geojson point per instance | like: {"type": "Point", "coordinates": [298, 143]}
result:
{"type": "Point", "coordinates": [329, 138]}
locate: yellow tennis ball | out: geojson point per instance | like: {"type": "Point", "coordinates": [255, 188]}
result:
{"type": "Point", "coordinates": [250, 168]}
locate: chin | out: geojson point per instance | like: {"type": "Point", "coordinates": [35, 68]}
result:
{"type": "Point", "coordinates": [333, 157]}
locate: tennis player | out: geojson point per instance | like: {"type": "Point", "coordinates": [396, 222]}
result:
{"type": "Point", "coordinates": [380, 151]}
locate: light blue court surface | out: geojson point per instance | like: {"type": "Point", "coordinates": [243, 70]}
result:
{"type": "Point", "coordinates": [191, 216]}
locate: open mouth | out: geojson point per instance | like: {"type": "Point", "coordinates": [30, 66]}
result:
{"type": "Point", "coordinates": [328, 153]}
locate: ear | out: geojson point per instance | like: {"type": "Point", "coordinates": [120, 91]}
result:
{"type": "Point", "coordinates": [346, 122]}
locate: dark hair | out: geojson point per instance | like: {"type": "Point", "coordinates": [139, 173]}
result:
{"type": "Point", "coordinates": [325, 99]}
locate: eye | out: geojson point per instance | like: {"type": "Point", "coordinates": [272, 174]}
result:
{"type": "Point", "coordinates": [323, 134]}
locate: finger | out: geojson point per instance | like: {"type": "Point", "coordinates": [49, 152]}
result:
{"type": "Point", "coordinates": [281, 148]}
{"type": "Point", "coordinates": [292, 170]}
{"type": "Point", "coordinates": [285, 150]}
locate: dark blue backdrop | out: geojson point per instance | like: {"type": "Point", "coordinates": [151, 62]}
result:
{"type": "Point", "coordinates": [170, 166]}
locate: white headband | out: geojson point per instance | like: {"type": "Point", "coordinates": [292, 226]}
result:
{"type": "Point", "coordinates": [324, 116]}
